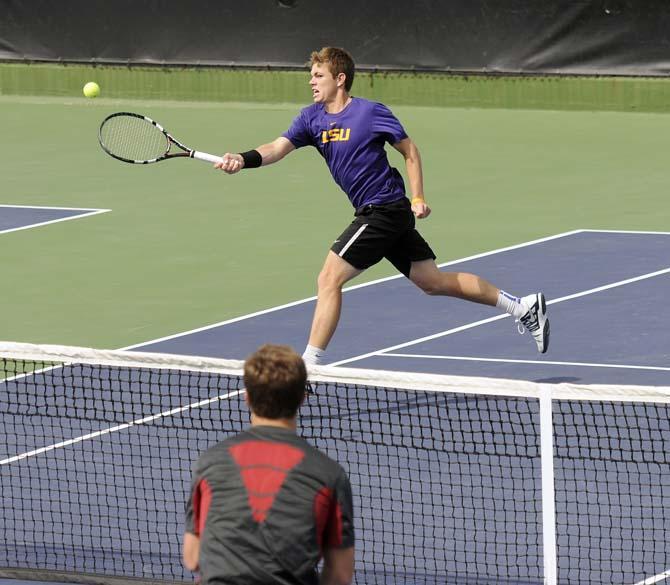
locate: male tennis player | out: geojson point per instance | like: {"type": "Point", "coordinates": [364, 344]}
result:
{"type": "Point", "coordinates": [265, 505]}
{"type": "Point", "coordinates": [350, 133]}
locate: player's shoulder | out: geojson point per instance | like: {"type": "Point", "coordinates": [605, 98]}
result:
{"type": "Point", "coordinates": [362, 102]}
{"type": "Point", "coordinates": [369, 104]}
{"type": "Point", "coordinates": [373, 109]}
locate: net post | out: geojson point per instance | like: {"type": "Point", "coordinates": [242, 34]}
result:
{"type": "Point", "coordinates": [548, 488]}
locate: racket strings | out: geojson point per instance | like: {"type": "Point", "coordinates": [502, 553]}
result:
{"type": "Point", "coordinates": [133, 138]}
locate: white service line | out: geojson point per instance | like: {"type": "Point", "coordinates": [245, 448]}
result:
{"type": "Point", "coordinates": [513, 361]}
{"type": "Point", "coordinates": [120, 427]}
{"type": "Point", "coordinates": [498, 317]}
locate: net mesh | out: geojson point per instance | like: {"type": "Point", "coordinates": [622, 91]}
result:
{"type": "Point", "coordinates": [96, 450]}
{"type": "Point", "coordinates": [133, 138]}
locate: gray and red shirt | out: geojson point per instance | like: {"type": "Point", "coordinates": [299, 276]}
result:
{"type": "Point", "coordinates": [265, 505]}
{"type": "Point", "coordinates": [352, 143]}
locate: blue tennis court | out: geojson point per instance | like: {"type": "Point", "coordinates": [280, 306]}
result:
{"type": "Point", "coordinates": [455, 475]}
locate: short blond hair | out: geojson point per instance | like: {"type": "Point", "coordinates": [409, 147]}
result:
{"type": "Point", "coordinates": [338, 61]}
{"type": "Point", "coordinates": [275, 378]}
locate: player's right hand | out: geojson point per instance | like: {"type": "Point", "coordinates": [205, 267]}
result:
{"type": "Point", "coordinates": [231, 163]}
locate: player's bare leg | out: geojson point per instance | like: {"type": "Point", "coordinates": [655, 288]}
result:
{"type": "Point", "coordinates": [463, 285]}
{"type": "Point", "coordinates": [333, 276]}
{"type": "Point", "coordinates": [530, 311]}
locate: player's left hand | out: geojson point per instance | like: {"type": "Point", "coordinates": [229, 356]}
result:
{"type": "Point", "coordinates": [420, 209]}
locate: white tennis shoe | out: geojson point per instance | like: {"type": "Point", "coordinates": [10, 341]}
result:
{"type": "Point", "coordinates": [535, 320]}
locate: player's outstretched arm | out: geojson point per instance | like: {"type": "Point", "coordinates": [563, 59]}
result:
{"type": "Point", "coordinates": [263, 155]}
{"type": "Point", "coordinates": [410, 152]}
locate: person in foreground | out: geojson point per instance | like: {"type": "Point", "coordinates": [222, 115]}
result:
{"type": "Point", "coordinates": [265, 506]}
{"type": "Point", "coordinates": [350, 133]}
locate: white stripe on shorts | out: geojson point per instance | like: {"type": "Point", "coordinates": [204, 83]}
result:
{"type": "Point", "coordinates": [352, 240]}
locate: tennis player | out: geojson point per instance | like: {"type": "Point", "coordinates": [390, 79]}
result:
{"type": "Point", "coordinates": [266, 506]}
{"type": "Point", "coordinates": [350, 133]}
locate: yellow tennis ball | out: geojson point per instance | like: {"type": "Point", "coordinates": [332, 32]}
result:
{"type": "Point", "coordinates": [91, 89]}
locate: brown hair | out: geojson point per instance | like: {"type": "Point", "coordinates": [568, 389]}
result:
{"type": "Point", "coordinates": [275, 378]}
{"type": "Point", "coordinates": [338, 60]}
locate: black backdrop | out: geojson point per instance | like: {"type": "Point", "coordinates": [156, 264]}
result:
{"type": "Point", "coordinates": [621, 37]}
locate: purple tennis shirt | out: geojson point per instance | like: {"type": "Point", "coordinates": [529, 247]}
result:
{"type": "Point", "coordinates": [352, 142]}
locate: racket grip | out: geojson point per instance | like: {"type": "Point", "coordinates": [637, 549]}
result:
{"type": "Point", "coordinates": [205, 157]}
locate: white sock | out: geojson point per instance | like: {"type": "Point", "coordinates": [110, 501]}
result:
{"type": "Point", "coordinates": [510, 304]}
{"type": "Point", "coordinates": [312, 355]}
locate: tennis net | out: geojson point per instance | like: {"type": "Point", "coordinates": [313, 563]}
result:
{"type": "Point", "coordinates": [456, 480]}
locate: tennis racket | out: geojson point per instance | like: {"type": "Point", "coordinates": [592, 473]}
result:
{"type": "Point", "coordinates": [136, 139]}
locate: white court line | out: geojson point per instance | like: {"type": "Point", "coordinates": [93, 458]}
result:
{"type": "Point", "coordinates": [100, 433]}
{"type": "Point", "coordinates": [347, 289]}
{"type": "Point", "coordinates": [498, 317]}
{"type": "Point", "coordinates": [627, 232]}
{"type": "Point", "coordinates": [655, 579]}
{"type": "Point", "coordinates": [42, 223]}
{"type": "Point", "coordinates": [513, 361]}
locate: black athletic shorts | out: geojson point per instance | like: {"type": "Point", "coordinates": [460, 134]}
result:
{"type": "Point", "coordinates": [383, 231]}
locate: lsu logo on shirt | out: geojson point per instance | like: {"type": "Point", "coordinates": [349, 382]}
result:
{"type": "Point", "coordinates": [335, 135]}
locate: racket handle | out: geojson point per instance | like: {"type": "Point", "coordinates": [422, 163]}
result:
{"type": "Point", "coordinates": [205, 157]}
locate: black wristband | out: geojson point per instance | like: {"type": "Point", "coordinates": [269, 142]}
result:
{"type": "Point", "coordinates": [252, 159]}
